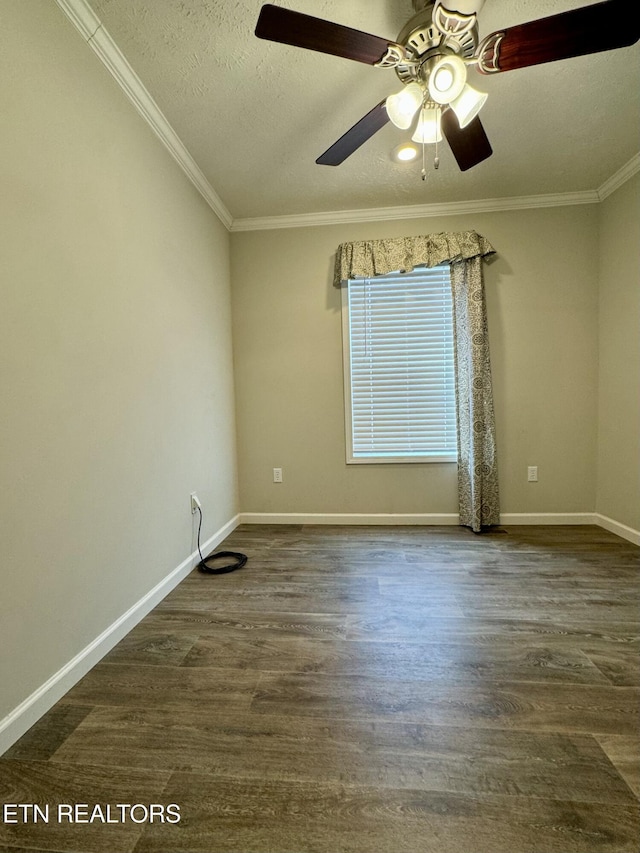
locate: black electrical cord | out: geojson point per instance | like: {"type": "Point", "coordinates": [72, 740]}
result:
{"type": "Point", "coordinates": [239, 559]}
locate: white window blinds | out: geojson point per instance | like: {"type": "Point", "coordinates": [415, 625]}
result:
{"type": "Point", "coordinates": [399, 371]}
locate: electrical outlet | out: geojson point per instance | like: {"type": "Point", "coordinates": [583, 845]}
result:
{"type": "Point", "coordinates": [195, 503]}
{"type": "Point", "coordinates": [532, 473]}
{"type": "Point", "coordinates": [277, 475]}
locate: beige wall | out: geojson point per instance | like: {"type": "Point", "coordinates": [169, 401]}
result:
{"type": "Point", "coordinates": [116, 363]}
{"type": "Point", "coordinates": [542, 303]}
{"type": "Point", "coordinates": [619, 382]}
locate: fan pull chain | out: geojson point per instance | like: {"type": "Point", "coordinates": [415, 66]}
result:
{"type": "Point", "coordinates": [424, 168]}
{"type": "Point", "coordinates": [436, 161]}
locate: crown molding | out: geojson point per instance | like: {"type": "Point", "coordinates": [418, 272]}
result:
{"type": "Point", "coordinates": [455, 208]}
{"type": "Point", "coordinates": [416, 211]}
{"type": "Point", "coordinates": [90, 27]}
{"type": "Point", "coordinates": [619, 178]}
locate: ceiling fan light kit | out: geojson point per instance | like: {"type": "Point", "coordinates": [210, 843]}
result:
{"type": "Point", "coordinates": [468, 104]}
{"type": "Point", "coordinates": [428, 130]}
{"type": "Point", "coordinates": [403, 106]}
{"type": "Point", "coordinates": [432, 55]}
{"type": "Point", "coordinates": [446, 79]}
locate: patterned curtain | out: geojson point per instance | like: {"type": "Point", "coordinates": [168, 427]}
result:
{"type": "Point", "coordinates": [478, 497]}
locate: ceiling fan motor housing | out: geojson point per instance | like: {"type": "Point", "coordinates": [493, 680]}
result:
{"type": "Point", "coordinates": [423, 40]}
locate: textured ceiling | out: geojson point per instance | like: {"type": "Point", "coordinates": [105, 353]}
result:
{"type": "Point", "coordinates": [255, 115]}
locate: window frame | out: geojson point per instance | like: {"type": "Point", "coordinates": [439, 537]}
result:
{"type": "Point", "coordinates": [351, 458]}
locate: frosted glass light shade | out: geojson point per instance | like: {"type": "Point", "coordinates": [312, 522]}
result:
{"type": "Point", "coordinates": [468, 104]}
{"type": "Point", "coordinates": [468, 7]}
{"type": "Point", "coordinates": [402, 106]}
{"type": "Point", "coordinates": [428, 127]}
{"type": "Point", "coordinates": [447, 79]}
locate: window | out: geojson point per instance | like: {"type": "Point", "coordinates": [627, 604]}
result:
{"type": "Point", "coordinates": [398, 367]}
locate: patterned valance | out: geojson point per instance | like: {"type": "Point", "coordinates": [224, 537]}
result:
{"type": "Point", "coordinates": [368, 258]}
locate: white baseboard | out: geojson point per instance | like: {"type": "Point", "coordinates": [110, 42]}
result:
{"type": "Point", "coordinates": [516, 518]}
{"type": "Point", "coordinates": [619, 529]}
{"type": "Point", "coordinates": [337, 518]}
{"type": "Point", "coordinates": [448, 518]}
{"type": "Point", "coordinates": [18, 721]}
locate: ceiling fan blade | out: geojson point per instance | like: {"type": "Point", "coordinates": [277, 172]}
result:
{"type": "Point", "coordinates": [355, 137]}
{"type": "Point", "coordinates": [590, 29]}
{"type": "Point", "coordinates": [300, 30]}
{"type": "Point", "coordinates": [470, 145]}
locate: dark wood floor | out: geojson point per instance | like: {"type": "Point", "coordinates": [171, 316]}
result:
{"type": "Point", "coordinates": [363, 690]}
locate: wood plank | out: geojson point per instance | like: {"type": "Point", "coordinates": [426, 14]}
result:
{"type": "Point", "coordinates": [620, 664]}
{"type": "Point", "coordinates": [136, 686]}
{"type": "Point", "coordinates": [45, 783]}
{"type": "Point", "coordinates": [261, 816]}
{"type": "Point", "coordinates": [397, 660]}
{"type": "Point", "coordinates": [383, 754]}
{"type": "Point", "coordinates": [624, 752]}
{"type": "Point", "coordinates": [293, 597]}
{"type": "Point", "coordinates": [409, 623]}
{"type": "Point", "coordinates": [44, 738]}
{"type": "Point", "coordinates": [526, 706]}
{"type": "Point", "coordinates": [157, 648]}
{"type": "Point", "coordinates": [263, 623]}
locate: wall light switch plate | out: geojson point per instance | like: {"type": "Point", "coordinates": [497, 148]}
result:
{"type": "Point", "coordinates": [277, 475]}
{"type": "Point", "coordinates": [532, 473]}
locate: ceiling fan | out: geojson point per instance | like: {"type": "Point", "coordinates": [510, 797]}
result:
{"type": "Point", "coordinates": [432, 55]}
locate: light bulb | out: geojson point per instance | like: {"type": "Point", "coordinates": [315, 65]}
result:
{"type": "Point", "coordinates": [447, 79]}
{"type": "Point", "coordinates": [402, 106]}
{"type": "Point", "coordinates": [405, 153]}
{"type": "Point", "coordinates": [442, 79]}
{"type": "Point", "coordinates": [428, 127]}
{"type": "Point", "coordinates": [468, 104]}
